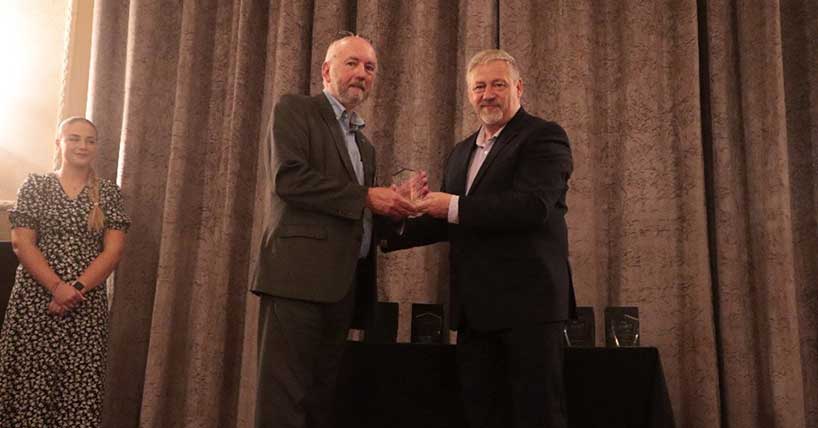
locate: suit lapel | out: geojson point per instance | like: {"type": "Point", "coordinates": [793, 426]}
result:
{"type": "Point", "coordinates": [459, 166]}
{"type": "Point", "coordinates": [367, 157]}
{"type": "Point", "coordinates": [506, 135]}
{"type": "Point", "coordinates": [335, 129]}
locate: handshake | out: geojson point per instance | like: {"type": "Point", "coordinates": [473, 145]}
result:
{"type": "Point", "coordinates": [408, 198]}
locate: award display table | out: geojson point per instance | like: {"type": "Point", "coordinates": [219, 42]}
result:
{"type": "Point", "coordinates": [8, 267]}
{"type": "Point", "coordinates": [616, 387]}
{"type": "Point", "coordinates": [408, 385]}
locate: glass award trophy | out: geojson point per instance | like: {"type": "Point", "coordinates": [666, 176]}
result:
{"type": "Point", "coordinates": [382, 323]}
{"type": "Point", "coordinates": [622, 326]}
{"type": "Point", "coordinates": [406, 182]}
{"type": "Point", "coordinates": [580, 332]}
{"type": "Point", "coordinates": [427, 323]}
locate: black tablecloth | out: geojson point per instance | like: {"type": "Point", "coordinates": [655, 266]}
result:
{"type": "Point", "coordinates": [622, 387]}
{"type": "Point", "coordinates": [8, 266]}
{"type": "Point", "coordinates": [404, 385]}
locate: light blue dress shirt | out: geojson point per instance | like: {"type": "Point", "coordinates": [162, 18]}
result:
{"type": "Point", "coordinates": [351, 122]}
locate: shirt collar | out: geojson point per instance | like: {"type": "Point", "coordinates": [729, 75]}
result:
{"type": "Point", "coordinates": [483, 139]}
{"type": "Point", "coordinates": [355, 121]}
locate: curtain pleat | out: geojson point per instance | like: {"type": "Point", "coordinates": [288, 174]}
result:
{"type": "Point", "coordinates": [765, 279]}
{"type": "Point", "coordinates": [182, 93]}
{"type": "Point", "coordinates": [622, 78]}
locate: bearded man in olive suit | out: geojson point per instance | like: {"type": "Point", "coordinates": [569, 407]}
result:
{"type": "Point", "coordinates": [317, 260]}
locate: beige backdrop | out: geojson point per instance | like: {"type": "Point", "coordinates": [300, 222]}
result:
{"type": "Point", "coordinates": [695, 194]}
{"type": "Point", "coordinates": [44, 80]}
{"type": "Point", "coordinates": [33, 36]}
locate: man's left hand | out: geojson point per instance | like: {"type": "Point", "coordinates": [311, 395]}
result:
{"type": "Point", "coordinates": [436, 204]}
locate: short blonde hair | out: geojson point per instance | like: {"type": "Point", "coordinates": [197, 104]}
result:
{"type": "Point", "coordinates": [488, 55]}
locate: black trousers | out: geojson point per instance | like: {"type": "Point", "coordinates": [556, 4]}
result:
{"type": "Point", "coordinates": [300, 348]}
{"type": "Point", "coordinates": [513, 377]}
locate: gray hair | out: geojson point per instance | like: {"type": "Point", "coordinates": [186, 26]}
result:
{"type": "Point", "coordinates": [340, 37]}
{"type": "Point", "coordinates": [488, 55]}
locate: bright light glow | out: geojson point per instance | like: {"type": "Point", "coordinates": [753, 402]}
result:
{"type": "Point", "coordinates": [32, 34]}
{"type": "Point", "coordinates": [15, 75]}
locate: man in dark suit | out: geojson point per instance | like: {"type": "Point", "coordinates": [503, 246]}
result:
{"type": "Point", "coordinates": [317, 259]}
{"type": "Point", "coordinates": [502, 209]}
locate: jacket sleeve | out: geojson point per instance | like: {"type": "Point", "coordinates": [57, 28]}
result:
{"type": "Point", "coordinates": [297, 181]}
{"type": "Point", "coordinates": [415, 232]}
{"type": "Point", "coordinates": [537, 190]}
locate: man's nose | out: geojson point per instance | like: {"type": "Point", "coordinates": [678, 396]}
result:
{"type": "Point", "coordinates": [360, 72]}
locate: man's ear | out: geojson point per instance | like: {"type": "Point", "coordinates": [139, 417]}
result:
{"type": "Point", "coordinates": [325, 71]}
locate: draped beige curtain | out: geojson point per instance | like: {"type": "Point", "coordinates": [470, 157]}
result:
{"type": "Point", "coordinates": [764, 78]}
{"type": "Point", "coordinates": [694, 128]}
{"type": "Point", "coordinates": [622, 78]}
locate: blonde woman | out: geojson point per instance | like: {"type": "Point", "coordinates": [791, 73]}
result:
{"type": "Point", "coordinates": [68, 231]}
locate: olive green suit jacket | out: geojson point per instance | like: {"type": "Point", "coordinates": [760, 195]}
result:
{"type": "Point", "coordinates": [311, 251]}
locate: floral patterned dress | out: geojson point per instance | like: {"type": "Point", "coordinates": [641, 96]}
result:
{"type": "Point", "coordinates": [52, 369]}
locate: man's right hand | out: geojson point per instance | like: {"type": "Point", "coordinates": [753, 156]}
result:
{"type": "Point", "coordinates": [385, 201]}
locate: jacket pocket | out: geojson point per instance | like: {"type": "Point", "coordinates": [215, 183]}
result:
{"type": "Point", "coordinates": [313, 231]}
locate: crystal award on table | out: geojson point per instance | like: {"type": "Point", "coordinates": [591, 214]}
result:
{"type": "Point", "coordinates": [427, 323]}
{"type": "Point", "coordinates": [580, 332]}
{"type": "Point", "coordinates": [382, 323]}
{"type": "Point", "coordinates": [621, 326]}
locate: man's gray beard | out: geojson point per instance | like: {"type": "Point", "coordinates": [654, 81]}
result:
{"type": "Point", "coordinates": [490, 117]}
{"type": "Point", "coordinates": [353, 100]}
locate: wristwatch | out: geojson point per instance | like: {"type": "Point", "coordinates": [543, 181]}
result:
{"type": "Point", "coordinates": [78, 285]}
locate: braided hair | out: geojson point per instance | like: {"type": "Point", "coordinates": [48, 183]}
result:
{"type": "Point", "coordinates": [96, 218]}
